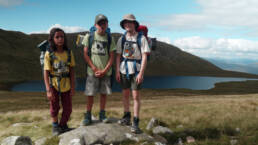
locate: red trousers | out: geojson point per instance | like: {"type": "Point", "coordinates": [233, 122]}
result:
{"type": "Point", "coordinates": [66, 101]}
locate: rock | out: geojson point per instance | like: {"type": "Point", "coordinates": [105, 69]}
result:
{"type": "Point", "coordinates": [101, 133]}
{"type": "Point", "coordinates": [41, 141]}
{"type": "Point", "coordinates": [180, 126]}
{"type": "Point", "coordinates": [233, 142]}
{"type": "Point", "coordinates": [159, 143]}
{"type": "Point", "coordinates": [190, 139]}
{"type": "Point", "coordinates": [24, 124]}
{"type": "Point", "coordinates": [131, 137]}
{"type": "Point", "coordinates": [76, 142]}
{"type": "Point", "coordinates": [161, 130]}
{"type": "Point", "coordinates": [94, 118]}
{"type": "Point", "coordinates": [160, 139]}
{"type": "Point", "coordinates": [21, 124]}
{"type": "Point", "coordinates": [152, 123]}
{"type": "Point", "coordinates": [180, 141]}
{"type": "Point", "coordinates": [144, 143]}
{"type": "Point", "coordinates": [237, 130]}
{"type": "Point", "coordinates": [17, 140]}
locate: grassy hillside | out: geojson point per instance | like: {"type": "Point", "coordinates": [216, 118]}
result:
{"type": "Point", "coordinates": [19, 59]}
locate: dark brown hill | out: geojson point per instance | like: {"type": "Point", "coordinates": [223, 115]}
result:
{"type": "Point", "coordinates": [19, 59]}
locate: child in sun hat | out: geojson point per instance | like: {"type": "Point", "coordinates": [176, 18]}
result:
{"type": "Point", "coordinates": [131, 61]}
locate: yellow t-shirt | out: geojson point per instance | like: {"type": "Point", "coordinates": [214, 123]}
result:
{"type": "Point", "coordinates": [59, 66]}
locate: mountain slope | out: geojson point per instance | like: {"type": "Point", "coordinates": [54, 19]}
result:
{"type": "Point", "coordinates": [19, 59]}
{"type": "Point", "coordinates": [234, 66]}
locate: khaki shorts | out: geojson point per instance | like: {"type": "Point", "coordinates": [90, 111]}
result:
{"type": "Point", "coordinates": [96, 85]}
{"type": "Point", "coordinates": [129, 83]}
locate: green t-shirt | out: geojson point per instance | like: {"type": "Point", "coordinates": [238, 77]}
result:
{"type": "Point", "coordinates": [99, 54]}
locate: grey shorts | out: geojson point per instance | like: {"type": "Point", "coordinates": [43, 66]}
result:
{"type": "Point", "coordinates": [129, 83]}
{"type": "Point", "coordinates": [96, 85]}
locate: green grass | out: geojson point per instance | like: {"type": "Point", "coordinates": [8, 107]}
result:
{"type": "Point", "coordinates": [210, 119]}
{"type": "Point", "coordinates": [52, 141]}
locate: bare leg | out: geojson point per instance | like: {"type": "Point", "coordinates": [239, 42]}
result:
{"type": "Point", "coordinates": [136, 103]}
{"type": "Point", "coordinates": [103, 100]}
{"type": "Point", "coordinates": [89, 103]}
{"type": "Point", "coordinates": [126, 102]}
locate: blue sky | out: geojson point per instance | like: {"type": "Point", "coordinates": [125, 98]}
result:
{"type": "Point", "coordinates": [225, 29]}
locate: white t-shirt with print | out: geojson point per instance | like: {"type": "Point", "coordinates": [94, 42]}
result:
{"type": "Point", "coordinates": [131, 51]}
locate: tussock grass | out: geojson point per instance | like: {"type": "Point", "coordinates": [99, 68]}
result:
{"type": "Point", "coordinates": [210, 119]}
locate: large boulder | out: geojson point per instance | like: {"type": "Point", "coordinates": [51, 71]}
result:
{"type": "Point", "coordinates": [101, 133]}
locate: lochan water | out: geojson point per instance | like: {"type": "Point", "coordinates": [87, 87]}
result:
{"type": "Point", "coordinates": [155, 82]}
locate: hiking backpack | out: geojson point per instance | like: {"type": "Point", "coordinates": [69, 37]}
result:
{"type": "Point", "coordinates": [151, 41]}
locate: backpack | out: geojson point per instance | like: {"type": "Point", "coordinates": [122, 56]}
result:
{"type": "Point", "coordinates": [151, 41]}
{"type": "Point", "coordinates": [44, 46]}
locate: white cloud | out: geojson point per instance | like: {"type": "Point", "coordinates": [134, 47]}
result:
{"type": "Point", "coordinates": [226, 14]}
{"type": "Point", "coordinates": [219, 48]}
{"type": "Point", "coordinates": [164, 39]}
{"type": "Point", "coordinates": [67, 29]}
{"type": "Point", "coordinates": [9, 3]}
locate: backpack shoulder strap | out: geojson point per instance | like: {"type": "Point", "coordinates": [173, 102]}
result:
{"type": "Point", "coordinates": [69, 56]}
{"type": "Point", "coordinates": [51, 56]}
{"type": "Point", "coordinates": [123, 41]}
{"type": "Point", "coordinates": [91, 39]}
{"type": "Point", "coordinates": [139, 41]}
{"type": "Point", "coordinates": [109, 42]}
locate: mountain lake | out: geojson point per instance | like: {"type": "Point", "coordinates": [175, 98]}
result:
{"type": "Point", "coordinates": [154, 82]}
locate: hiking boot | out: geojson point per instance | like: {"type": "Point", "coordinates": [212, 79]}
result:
{"type": "Point", "coordinates": [102, 117]}
{"type": "Point", "coordinates": [56, 130]}
{"type": "Point", "coordinates": [126, 120]}
{"type": "Point", "coordinates": [135, 127]}
{"type": "Point", "coordinates": [87, 119]}
{"type": "Point", "coordinates": [65, 128]}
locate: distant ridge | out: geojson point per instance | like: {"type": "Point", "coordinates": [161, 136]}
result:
{"type": "Point", "coordinates": [19, 59]}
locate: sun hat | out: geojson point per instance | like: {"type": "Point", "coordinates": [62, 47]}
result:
{"type": "Point", "coordinates": [129, 17]}
{"type": "Point", "coordinates": [99, 18]}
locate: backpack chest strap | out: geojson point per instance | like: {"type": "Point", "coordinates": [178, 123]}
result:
{"type": "Point", "coordinates": [134, 65]}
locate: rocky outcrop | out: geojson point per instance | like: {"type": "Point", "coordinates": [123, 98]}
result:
{"type": "Point", "coordinates": [101, 133]}
{"type": "Point", "coordinates": [17, 140]}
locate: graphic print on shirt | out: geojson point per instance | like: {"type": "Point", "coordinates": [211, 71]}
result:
{"type": "Point", "coordinates": [60, 67]}
{"type": "Point", "coordinates": [129, 49]}
{"type": "Point", "coordinates": [99, 48]}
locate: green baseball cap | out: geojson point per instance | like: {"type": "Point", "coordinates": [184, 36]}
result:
{"type": "Point", "coordinates": [99, 18]}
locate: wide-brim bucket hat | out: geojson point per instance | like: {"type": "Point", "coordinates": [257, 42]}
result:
{"type": "Point", "coordinates": [129, 17]}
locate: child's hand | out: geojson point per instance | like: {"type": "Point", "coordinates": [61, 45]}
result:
{"type": "Point", "coordinates": [50, 95]}
{"type": "Point", "coordinates": [139, 78]}
{"type": "Point", "coordinates": [118, 79]}
{"type": "Point", "coordinates": [100, 73]}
